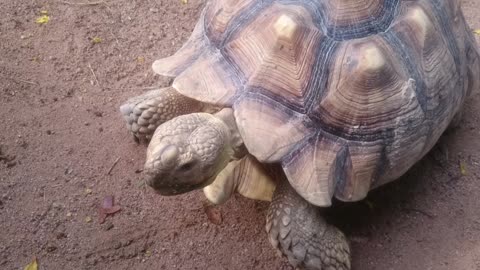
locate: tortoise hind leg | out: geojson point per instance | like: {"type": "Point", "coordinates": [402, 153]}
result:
{"type": "Point", "coordinates": [146, 112]}
{"type": "Point", "coordinates": [299, 231]}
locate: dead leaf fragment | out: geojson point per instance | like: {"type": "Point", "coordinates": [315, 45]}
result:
{"type": "Point", "coordinates": [43, 19]}
{"type": "Point", "coordinates": [213, 213]}
{"type": "Point", "coordinates": [476, 32]}
{"type": "Point", "coordinates": [33, 265]}
{"type": "Point", "coordinates": [463, 168]}
{"type": "Point", "coordinates": [107, 208]}
{"type": "Point", "coordinates": [184, 2]}
{"type": "Point", "coordinates": [96, 40]}
{"type": "Point", "coordinates": [88, 219]}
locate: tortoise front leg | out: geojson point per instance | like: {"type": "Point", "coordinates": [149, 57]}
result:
{"type": "Point", "coordinates": [299, 231]}
{"type": "Point", "coordinates": [245, 176]}
{"type": "Point", "coordinates": [146, 112]}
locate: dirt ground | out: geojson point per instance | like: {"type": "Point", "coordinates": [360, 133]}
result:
{"type": "Point", "coordinates": [61, 84]}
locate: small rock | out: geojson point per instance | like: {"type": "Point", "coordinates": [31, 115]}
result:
{"type": "Point", "coordinates": [98, 113]}
{"type": "Point", "coordinates": [57, 205]}
{"type": "Point", "coordinates": [61, 235]}
{"type": "Point", "coordinates": [108, 226]}
{"type": "Point", "coordinates": [11, 164]}
{"type": "Point", "coordinates": [51, 248]}
{"type": "Point", "coordinates": [68, 171]}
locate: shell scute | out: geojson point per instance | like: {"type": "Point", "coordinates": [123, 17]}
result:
{"type": "Point", "coordinates": [369, 90]}
{"type": "Point", "coordinates": [274, 53]}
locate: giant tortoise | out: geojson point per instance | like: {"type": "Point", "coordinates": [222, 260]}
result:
{"type": "Point", "coordinates": [298, 102]}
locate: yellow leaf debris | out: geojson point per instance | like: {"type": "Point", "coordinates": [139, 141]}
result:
{"type": "Point", "coordinates": [463, 168]}
{"type": "Point", "coordinates": [43, 19]}
{"type": "Point", "coordinates": [96, 40]}
{"type": "Point", "coordinates": [476, 31]}
{"type": "Point", "coordinates": [88, 219]}
{"type": "Point", "coordinates": [32, 266]}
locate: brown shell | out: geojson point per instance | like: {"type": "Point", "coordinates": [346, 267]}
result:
{"type": "Point", "coordinates": [346, 95]}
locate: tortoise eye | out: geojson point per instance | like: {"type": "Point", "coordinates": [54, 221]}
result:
{"type": "Point", "coordinates": [187, 166]}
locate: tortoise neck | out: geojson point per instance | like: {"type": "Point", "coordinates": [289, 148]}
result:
{"type": "Point", "coordinates": [227, 117]}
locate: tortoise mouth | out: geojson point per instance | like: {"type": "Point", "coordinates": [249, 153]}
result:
{"type": "Point", "coordinates": [172, 190]}
{"type": "Point", "coordinates": [174, 186]}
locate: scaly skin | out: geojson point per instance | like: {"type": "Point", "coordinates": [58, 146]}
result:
{"type": "Point", "coordinates": [189, 151]}
{"type": "Point", "coordinates": [299, 231]}
{"type": "Point", "coordinates": [246, 176]}
{"type": "Point", "coordinates": [146, 112]}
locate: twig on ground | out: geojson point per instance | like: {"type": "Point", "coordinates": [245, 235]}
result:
{"type": "Point", "coordinates": [113, 166]}
{"type": "Point", "coordinates": [420, 212]}
{"type": "Point", "coordinates": [82, 3]}
{"type": "Point", "coordinates": [18, 80]}
{"type": "Point", "coordinates": [115, 37]}
{"type": "Point", "coordinates": [94, 75]}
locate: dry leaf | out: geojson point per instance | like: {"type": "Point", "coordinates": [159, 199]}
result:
{"type": "Point", "coordinates": [88, 191]}
{"type": "Point", "coordinates": [476, 31]}
{"type": "Point", "coordinates": [184, 2]}
{"type": "Point", "coordinates": [213, 213]}
{"type": "Point", "coordinates": [463, 168]}
{"type": "Point", "coordinates": [107, 208]}
{"type": "Point", "coordinates": [370, 205]}
{"type": "Point", "coordinates": [33, 265]}
{"type": "Point", "coordinates": [96, 40]}
{"type": "Point", "coordinates": [43, 19]}
{"type": "Point", "coordinates": [88, 219]}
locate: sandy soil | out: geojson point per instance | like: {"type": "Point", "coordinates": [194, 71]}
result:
{"type": "Point", "coordinates": [61, 132]}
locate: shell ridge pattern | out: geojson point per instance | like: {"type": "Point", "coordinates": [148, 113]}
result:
{"type": "Point", "coordinates": [372, 26]}
{"type": "Point", "coordinates": [320, 74]}
{"type": "Point", "coordinates": [243, 19]}
{"type": "Point", "coordinates": [446, 29]}
{"type": "Point", "coordinates": [405, 54]}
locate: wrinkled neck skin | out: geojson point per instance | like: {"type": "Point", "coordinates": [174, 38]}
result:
{"type": "Point", "coordinates": [236, 142]}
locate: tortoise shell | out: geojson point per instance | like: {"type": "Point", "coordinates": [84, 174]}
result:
{"type": "Point", "coordinates": [345, 94]}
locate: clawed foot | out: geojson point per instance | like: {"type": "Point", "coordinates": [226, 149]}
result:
{"type": "Point", "coordinates": [299, 231]}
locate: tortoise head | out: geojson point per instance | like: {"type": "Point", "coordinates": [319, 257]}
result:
{"type": "Point", "coordinates": [187, 153]}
